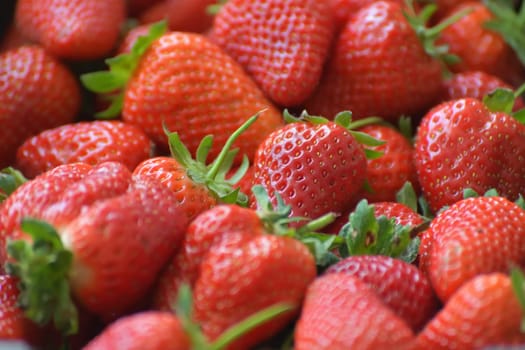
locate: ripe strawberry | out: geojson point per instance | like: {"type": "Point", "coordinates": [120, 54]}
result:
{"type": "Point", "coordinates": [282, 45]}
{"type": "Point", "coordinates": [403, 79]}
{"type": "Point", "coordinates": [157, 12]}
{"type": "Point", "coordinates": [189, 16]}
{"type": "Point", "coordinates": [464, 144]}
{"type": "Point", "coordinates": [37, 93]}
{"type": "Point", "coordinates": [152, 330]}
{"type": "Point", "coordinates": [400, 285]}
{"type": "Point", "coordinates": [475, 84]}
{"type": "Point", "coordinates": [187, 84]}
{"type": "Point", "coordinates": [484, 311]}
{"type": "Point", "coordinates": [493, 56]}
{"type": "Point", "coordinates": [387, 174]}
{"type": "Point", "coordinates": [88, 142]}
{"type": "Point", "coordinates": [197, 184]}
{"type": "Point", "coordinates": [136, 7]}
{"type": "Point", "coordinates": [315, 165]}
{"type": "Point", "coordinates": [471, 237]}
{"type": "Point", "coordinates": [342, 312]}
{"type": "Point", "coordinates": [74, 29]}
{"type": "Point", "coordinates": [402, 214]}
{"type": "Point", "coordinates": [117, 234]}
{"type": "Point", "coordinates": [240, 277]}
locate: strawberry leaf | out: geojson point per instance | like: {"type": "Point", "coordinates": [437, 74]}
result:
{"type": "Point", "coordinates": [407, 196]}
{"type": "Point", "coordinates": [500, 100]}
{"type": "Point", "coordinates": [42, 267]}
{"type": "Point", "coordinates": [10, 180]}
{"type": "Point", "coordinates": [518, 285]}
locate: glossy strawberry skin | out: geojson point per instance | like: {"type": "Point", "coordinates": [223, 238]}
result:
{"type": "Point", "coordinates": [239, 278]}
{"type": "Point", "coordinates": [461, 144]}
{"type": "Point", "coordinates": [378, 33]}
{"type": "Point", "coordinates": [387, 174]}
{"type": "Point", "coordinates": [210, 228]}
{"type": "Point", "coordinates": [315, 168]}
{"type": "Point", "coordinates": [472, 237]}
{"type": "Point", "coordinates": [120, 245]}
{"type": "Point", "coordinates": [193, 198]}
{"type": "Point", "coordinates": [342, 312]}
{"type": "Point", "coordinates": [282, 45]}
{"type": "Point", "coordinates": [495, 56]}
{"type": "Point", "coordinates": [344, 9]}
{"type": "Point", "coordinates": [475, 84]}
{"type": "Point", "coordinates": [152, 330]}
{"type": "Point", "coordinates": [483, 312]}
{"type": "Point", "coordinates": [36, 93]}
{"type": "Point", "coordinates": [194, 88]}
{"type": "Point", "coordinates": [400, 285]}
{"type": "Point", "coordinates": [88, 142]}
{"type": "Point", "coordinates": [189, 16]}
{"type": "Point", "coordinates": [90, 29]}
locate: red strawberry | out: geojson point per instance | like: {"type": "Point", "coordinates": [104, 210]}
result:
{"type": "Point", "coordinates": [157, 12]}
{"type": "Point", "coordinates": [471, 237]}
{"type": "Point", "coordinates": [36, 93]}
{"type": "Point", "coordinates": [464, 144]}
{"type": "Point", "coordinates": [186, 84]}
{"type": "Point", "coordinates": [282, 45]}
{"type": "Point", "coordinates": [73, 29]}
{"type": "Point", "coordinates": [493, 56]}
{"type": "Point", "coordinates": [117, 240]}
{"type": "Point", "coordinates": [88, 142]}
{"type": "Point", "coordinates": [136, 7]}
{"type": "Point", "coordinates": [403, 79]}
{"type": "Point", "coordinates": [484, 311]}
{"type": "Point", "coordinates": [189, 16]}
{"type": "Point", "coordinates": [315, 165]}
{"type": "Point", "coordinates": [387, 174]}
{"type": "Point", "coordinates": [240, 277]}
{"type": "Point", "coordinates": [475, 84]}
{"type": "Point", "coordinates": [400, 285]}
{"type": "Point", "coordinates": [152, 330]}
{"type": "Point", "coordinates": [342, 312]}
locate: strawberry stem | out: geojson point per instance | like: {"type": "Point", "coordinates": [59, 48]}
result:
{"type": "Point", "coordinates": [10, 180]}
{"type": "Point", "coordinates": [42, 267]}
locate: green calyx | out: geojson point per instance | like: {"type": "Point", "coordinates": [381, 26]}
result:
{"type": "Point", "coordinates": [508, 23]}
{"type": "Point", "coordinates": [344, 119]}
{"type": "Point", "coordinates": [214, 175]}
{"type": "Point", "coordinates": [277, 220]}
{"type": "Point", "coordinates": [428, 36]}
{"type": "Point", "coordinates": [42, 267]}
{"type": "Point", "coordinates": [121, 68]}
{"type": "Point", "coordinates": [184, 312]}
{"type": "Point", "coordinates": [366, 234]}
{"type": "Point", "coordinates": [518, 285]}
{"type": "Point", "coordinates": [10, 180]}
{"type": "Point", "coordinates": [503, 100]}
{"type": "Point", "coordinates": [215, 8]}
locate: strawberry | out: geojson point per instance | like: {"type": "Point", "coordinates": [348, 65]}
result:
{"type": "Point", "coordinates": [400, 285]}
{"type": "Point", "coordinates": [475, 84]}
{"type": "Point", "coordinates": [239, 277]}
{"type": "Point", "coordinates": [197, 185]}
{"type": "Point", "coordinates": [494, 56]}
{"type": "Point", "coordinates": [189, 16]}
{"type": "Point", "coordinates": [380, 33]}
{"type": "Point", "coordinates": [155, 13]}
{"type": "Point", "coordinates": [282, 45]}
{"type": "Point", "coordinates": [484, 311]}
{"type": "Point", "coordinates": [88, 142]}
{"type": "Point", "coordinates": [37, 93]}
{"type": "Point", "coordinates": [342, 312]}
{"type": "Point", "coordinates": [315, 165]}
{"type": "Point", "coordinates": [135, 7]}
{"type": "Point", "coordinates": [207, 92]}
{"type": "Point", "coordinates": [387, 174]}
{"type": "Point", "coordinates": [153, 330]}
{"type": "Point", "coordinates": [75, 29]}
{"type": "Point", "coordinates": [466, 143]}
{"type": "Point", "coordinates": [12, 39]}
{"type": "Point", "coordinates": [473, 236]}
{"type": "Point", "coordinates": [110, 239]}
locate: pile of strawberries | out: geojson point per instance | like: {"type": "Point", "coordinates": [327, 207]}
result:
{"type": "Point", "coordinates": [271, 174]}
